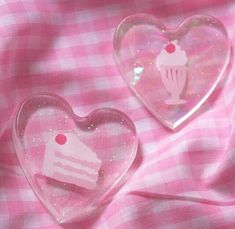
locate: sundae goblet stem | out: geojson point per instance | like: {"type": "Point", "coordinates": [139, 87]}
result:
{"type": "Point", "coordinates": [175, 96]}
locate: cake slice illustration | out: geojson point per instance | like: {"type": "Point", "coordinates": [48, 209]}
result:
{"type": "Point", "coordinates": [172, 64]}
{"type": "Point", "coordinates": [68, 160]}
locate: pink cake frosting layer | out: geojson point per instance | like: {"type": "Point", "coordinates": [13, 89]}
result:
{"type": "Point", "coordinates": [75, 180]}
{"type": "Point", "coordinates": [93, 165]}
{"type": "Point", "coordinates": [75, 170]}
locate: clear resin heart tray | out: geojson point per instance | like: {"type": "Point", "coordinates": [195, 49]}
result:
{"type": "Point", "coordinates": [72, 163]}
{"type": "Point", "coordinates": [172, 71]}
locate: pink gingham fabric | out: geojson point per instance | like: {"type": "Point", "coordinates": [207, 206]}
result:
{"type": "Point", "coordinates": [179, 180]}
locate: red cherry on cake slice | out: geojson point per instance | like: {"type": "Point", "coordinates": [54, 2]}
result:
{"type": "Point", "coordinates": [60, 139]}
{"type": "Point", "coordinates": [170, 48]}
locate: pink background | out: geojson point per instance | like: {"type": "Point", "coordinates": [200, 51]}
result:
{"type": "Point", "coordinates": [65, 47]}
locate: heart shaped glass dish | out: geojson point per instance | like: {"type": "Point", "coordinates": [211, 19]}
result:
{"type": "Point", "coordinates": [72, 163]}
{"type": "Point", "coordinates": [172, 71]}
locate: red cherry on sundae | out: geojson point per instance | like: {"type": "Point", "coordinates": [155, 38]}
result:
{"type": "Point", "coordinates": [170, 48]}
{"type": "Point", "coordinates": [60, 139]}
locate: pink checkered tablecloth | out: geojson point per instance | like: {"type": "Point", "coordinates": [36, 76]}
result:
{"type": "Point", "coordinates": [65, 47]}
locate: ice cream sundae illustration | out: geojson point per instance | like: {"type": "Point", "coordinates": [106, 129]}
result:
{"type": "Point", "coordinates": [68, 160]}
{"type": "Point", "coordinates": [172, 64]}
